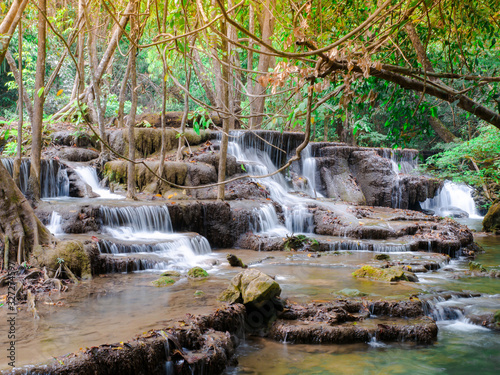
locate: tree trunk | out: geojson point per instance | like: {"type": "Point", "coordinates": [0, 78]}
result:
{"type": "Point", "coordinates": [182, 138]}
{"type": "Point", "coordinates": [80, 78]}
{"type": "Point", "coordinates": [257, 104]}
{"type": "Point", "coordinates": [18, 161]}
{"type": "Point", "coordinates": [17, 218]}
{"type": "Point", "coordinates": [131, 194]}
{"type": "Point", "coordinates": [9, 25]}
{"type": "Point", "coordinates": [202, 75]}
{"type": "Point", "coordinates": [225, 119]}
{"type": "Point", "coordinates": [34, 190]}
{"type": "Point", "coordinates": [442, 131]}
{"type": "Point", "coordinates": [121, 97]}
{"type": "Point", "coordinates": [17, 76]}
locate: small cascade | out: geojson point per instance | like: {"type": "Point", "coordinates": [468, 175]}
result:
{"type": "Point", "coordinates": [356, 245]}
{"type": "Point", "coordinates": [124, 222]}
{"type": "Point", "coordinates": [405, 161]}
{"type": "Point", "coordinates": [308, 168]}
{"type": "Point", "coordinates": [265, 220]}
{"type": "Point", "coordinates": [298, 219]}
{"type": "Point", "coordinates": [54, 177]}
{"type": "Point", "coordinates": [451, 197]}
{"type": "Point", "coordinates": [443, 311]}
{"type": "Point", "coordinates": [54, 226]}
{"type": "Point", "coordinates": [89, 175]}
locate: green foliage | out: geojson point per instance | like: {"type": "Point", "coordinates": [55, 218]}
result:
{"type": "Point", "coordinates": [457, 163]}
{"type": "Point", "coordinates": [300, 242]}
{"type": "Point", "coordinates": [113, 105]}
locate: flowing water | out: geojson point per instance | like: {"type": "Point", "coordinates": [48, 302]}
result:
{"type": "Point", "coordinates": [89, 175]}
{"type": "Point", "coordinates": [451, 197]}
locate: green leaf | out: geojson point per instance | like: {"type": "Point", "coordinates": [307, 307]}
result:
{"type": "Point", "coordinates": [434, 111]}
{"type": "Point", "coordinates": [196, 128]}
{"type": "Point", "coordinates": [40, 92]}
{"type": "Point", "coordinates": [243, 167]}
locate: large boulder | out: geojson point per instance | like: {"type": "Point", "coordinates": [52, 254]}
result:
{"type": "Point", "coordinates": [385, 274]}
{"type": "Point", "coordinates": [491, 221]}
{"type": "Point", "coordinates": [79, 188]}
{"type": "Point", "coordinates": [251, 287]}
{"type": "Point", "coordinates": [77, 154]}
{"type": "Point", "coordinates": [70, 138]}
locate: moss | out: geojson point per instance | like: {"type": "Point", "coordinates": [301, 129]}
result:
{"type": "Point", "coordinates": [496, 317]}
{"type": "Point", "coordinates": [197, 273]}
{"type": "Point", "coordinates": [71, 252]}
{"type": "Point", "coordinates": [491, 221]}
{"type": "Point", "coordinates": [382, 257]}
{"type": "Point", "coordinates": [476, 266]}
{"type": "Point", "coordinates": [383, 274]}
{"type": "Point", "coordinates": [301, 242]}
{"type": "Point", "coordinates": [163, 281]}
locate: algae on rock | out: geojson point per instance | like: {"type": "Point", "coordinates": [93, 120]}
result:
{"type": "Point", "coordinates": [384, 274]}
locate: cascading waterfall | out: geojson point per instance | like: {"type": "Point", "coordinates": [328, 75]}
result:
{"type": "Point", "coordinates": [450, 197]}
{"type": "Point", "coordinates": [402, 162]}
{"type": "Point", "coordinates": [54, 180]}
{"type": "Point", "coordinates": [150, 223]}
{"type": "Point", "coordinates": [54, 226]}
{"type": "Point", "coordinates": [298, 219]}
{"type": "Point", "coordinates": [89, 175]}
{"type": "Point", "coordinates": [308, 167]}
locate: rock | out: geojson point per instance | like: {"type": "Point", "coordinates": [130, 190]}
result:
{"type": "Point", "coordinates": [240, 189]}
{"type": "Point", "coordinates": [212, 158]}
{"type": "Point", "coordinates": [79, 188]}
{"type": "Point", "coordinates": [70, 139]}
{"type": "Point", "coordinates": [351, 293]}
{"type": "Point", "coordinates": [453, 212]}
{"type": "Point", "coordinates": [163, 281]}
{"type": "Point", "coordinates": [251, 286]}
{"type": "Point", "coordinates": [234, 261]}
{"type": "Point", "coordinates": [382, 257]}
{"type": "Point", "coordinates": [77, 154]}
{"type": "Point", "coordinates": [491, 221]}
{"type": "Point", "coordinates": [384, 274]}
{"type": "Point", "coordinates": [171, 273]}
{"type": "Point", "coordinates": [476, 266]}
{"type": "Point", "coordinates": [199, 293]}
{"type": "Point", "coordinates": [71, 253]}
{"type": "Point", "coordinates": [197, 273]}
{"type": "Point", "coordinates": [300, 242]}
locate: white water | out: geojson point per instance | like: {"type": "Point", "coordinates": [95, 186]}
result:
{"type": "Point", "coordinates": [152, 223]}
{"type": "Point", "coordinates": [297, 217]}
{"type": "Point", "coordinates": [54, 226]}
{"type": "Point", "coordinates": [89, 175]}
{"type": "Point", "coordinates": [452, 195]}
{"type": "Point", "coordinates": [309, 172]}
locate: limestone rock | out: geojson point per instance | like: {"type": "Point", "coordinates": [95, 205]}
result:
{"type": "Point", "coordinates": [491, 221]}
{"type": "Point", "coordinates": [384, 274]}
{"type": "Point", "coordinates": [251, 286]}
{"type": "Point", "coordinates": [77, 154]}
{"type": "Point", "coordinates": [234, 261]}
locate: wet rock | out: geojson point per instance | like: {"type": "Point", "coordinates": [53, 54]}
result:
{"type": "Point", "coordinates": [491, 221]}
{"type": "Point", "coordinates": [234, 261]}
{"type": "Point", "coordinates": [163, 281]}
{"type": "Point", "coordinates": [171, 273]}
{"type": "Point", "coordinates": [476, 266]}
{"type": "Point", "coordinates": [77, 154]}
{"type": "Point", "coordinates": [384, 274]}
{"type": "Point", "coordinates": [382, 257]}
{"type": "Point", "coordinates": [453, 212]}
{"type": "Point", "coordinates": [251, 286]}
{"type": "Point", "coordinates": [235, 190]}
{"type": "Point", "coordinates": [79, 188]}
{"type": "Point", "coordinates": [351, 293]}
{"type": "Point", "coordinates": [197, 273]}
{"type": "Point", "coordinates": [300, 242]}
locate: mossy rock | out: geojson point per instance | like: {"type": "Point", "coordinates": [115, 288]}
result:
{"type": "Point", "coordinates": [491, 221]}
{"type": "Point", "coordinates": [496, 317]}
{"type": "Point", "coordinates": [351, 293]}
{"type": "Point", "coordinates": [72, 253]}
{"type": "Point", "coordinates": [197, 273]}
{"type": "Point", "coordinates": [171, 273]}
{"type": "Point", "coordinates": [199, 293]}
{"type": "Point", "coordinates": [234, 261]}
{"type": "Point", "coordinates": [301, 242]}
{"type": "Point", "coordinates": [382, 257]}
{"type": "Point", "coordinates": [384, 274]}
{"type": "Point", "coordinates": [476, 266]}
{"type": "Point", "coordinates": [251, 286]}
{"type": "Point", "coordinates": [163, 281]}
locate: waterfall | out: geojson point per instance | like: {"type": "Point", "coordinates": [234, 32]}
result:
{"type": "Point", "coordinates": [298, 219]}
{"type": "Point", "coordinates": [136, 222]}
{"type": "Point", "coordinates": [449, 198]}
{"type": "Point", "coordinates": [54, 226]}
{"type": "Point", "coordinates": [308, 167]}
{"type": "Point", "coordinates": [54, 180]}
{"type": "Point", "coordinates": [89, 175]}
